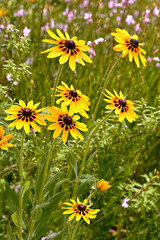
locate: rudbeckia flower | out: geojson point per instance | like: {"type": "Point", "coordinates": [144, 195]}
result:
{"type": "Point", "coordinates": [103, 185]}
{"type": "Point", "coordinates": [3, 139]}
{"type": "Point", "coordinates": [25, 115]}
{"type": "Point", "coordinates": [67, 48]}
{"type": "Point", "coordinates": [129, 45]}
{"type": "Point", "coordinates": [124, 108]}
{"type": "Point", "coordinates": [64, 121]}
{"type": "Point", "coordinates": [80, 209]}
{"type": "Point", "coordinates": [78, 102]}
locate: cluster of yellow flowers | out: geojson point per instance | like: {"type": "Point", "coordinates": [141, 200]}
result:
{"type": "Point", "coordinates": [65, 120]}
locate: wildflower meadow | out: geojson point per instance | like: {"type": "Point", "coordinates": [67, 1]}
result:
{"type": "Point", "coordinates": [79, 119]}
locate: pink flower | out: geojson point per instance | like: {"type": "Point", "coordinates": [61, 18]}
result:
{"type": "Point", "coordinates": [52, 23]}
{"type": "Point", "coordinates": [1, 26]}
{"type": "Point", "coordinates": [111, 4]}
{"type": "Point", "coordinates": [70, 16]}
{"type": "Point", "coordinates": [146, 20]}
{"type": "Point", "coordinates": [157, 64]}
{"type": "Point", "coordinates": [26, 32]}
{"type": "Point", "coordinates": [129, 19]}
{"type": "Point", "coordinates": [156, 11]}
{"type": "Point", "coordinates": [137, 28]}
{"type": "Point", "coordinates": [88, 17]}
{"type": "Point", "coordinates": [156, 50]}
{"type": "Point", "coordinates": [20, 13]}
{"type": "Point", "coordinates": [15, 83]}
{"type": "Point", "coordinates": [44, 12]}
{"type": "Point", "coordinates": [92, 53]}
{"type": "Point", "coordinates": [118, 19]}
{"type": "Point", "coordinates": [66, 11]}
{"type": "Point", "coordinates": [9, 77]}
{"type": "Point", "coordinates": [156, 59]}
{"type": "Point", "coordinates": [43, 28]}
{"type": "Point", "coordinates": [64, 27]}
{"type": "Point", "coordinates": [149, 59]}
{"type": "Point", "coordinates": [124, 203]}
{"type": "Point", "coordinates": [131, 1]}
{"type": "Point", "coordinates": [85, 3]}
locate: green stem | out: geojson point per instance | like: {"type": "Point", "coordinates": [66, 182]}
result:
{"type": "Point", "coordinates": [74, 232]}
{"type": "Point", "coordinates": [104, 86]}
{"type": "Point", "coordinates": [86, 150]}
{"type": "Point", "coordinates": [21, 186]}
{"type": "Point", "coordinates": [91, 195]}
{"type": "Point", "coordinates": [33, 220]}
{"type": "Point", "coordinates": [45, 171]}
{"type": "Point", "coordinates": [55, 85]}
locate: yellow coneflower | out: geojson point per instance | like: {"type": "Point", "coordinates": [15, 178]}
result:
{"type": "Point", "coordinates": [103, 185]}
{"type": "Point", "coordinates": [64, 121]}
{"type": "Point", "coordinates": [78, 102]}
{"type": "Point", "coordinates": [129, 45]}
{"type": "Point", "coordinates": [25, 115]}
{"type": "Point", "coordinates": [124, 108]}
{"type": "Point", "coordinates": [67, 48]}
{"type": "Point", "coordinates": [3, 139]}
{"type": "Point", "coordinates": [80, 210]}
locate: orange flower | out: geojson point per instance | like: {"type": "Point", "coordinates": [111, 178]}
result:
{"type": "Point", "coordinates": [3, 139]}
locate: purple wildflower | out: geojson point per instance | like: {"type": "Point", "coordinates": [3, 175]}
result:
{"type": "Point", "coordinates": [124, 203]}
{"type": "Point", "coordinates": [20, 13]}
{"type": "Point", "coordinates": [9, 77]}
{"type": "Point", "coordinates": [129, 19]}
{"type": "Point", "coordinates": [26, 32]}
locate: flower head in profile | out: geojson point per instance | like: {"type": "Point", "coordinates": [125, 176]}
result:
{"type": "Point", "coordinates": [3, 139]}
{"type": "Point", "coordinates": [129, 45]}
{"type": "Point", "coordinates": [25, 115]}
{"type": "Point", "coordinates": [78, 102]}
{"type": "Point", "coordinates": [68, 48]}
{"type": "Point", "coordinates": [103, 185]}
{"type": "Point", "coordinates": [80, 210]}
{"type": "Point", "coordinates": [124, 108]}
{"type": "Point", "coordinates": [64, 121]}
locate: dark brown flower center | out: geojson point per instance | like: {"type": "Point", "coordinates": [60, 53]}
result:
{"type": "Point", "coordinates": [134, 42]}
{"type": "Point", "coordinates": [68, 120]}
{"type": "Point", "coordinates": [70, 44]}
{"type": "Point", "coordinates": [81, 207]}
{"type": "Point", "coordinates": [27, 112]}
{"type": "Point", "coordinates": [122, 102]}
{"type": "Point", "coordinates": [73, 93]}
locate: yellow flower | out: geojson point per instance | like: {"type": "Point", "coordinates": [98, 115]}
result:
{"type": "Point", "coordinates": [129, 45]}
{"type": "Point", "coordinates": [3, 139]}
{"type": "Point", "coordinates": [78, 102]}
{"type": "Point", "coordinates": [124, 108]}
{"type": "Point", "coordinates": [80, 209]}
{"type": "Point", "coordinates": [103, 185]}
{"type": "Point", "coordinates": [2, 12]}
{"type": "Point", "coordinates": [67, 48]}
{"type": "Point", "coordinates": [25, 115]}
{"type": "Point", "coordinates": [64, 121]}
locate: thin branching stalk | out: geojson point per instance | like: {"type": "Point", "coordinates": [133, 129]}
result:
{"type": "Point", "coordinates": [104, 86]}
{"type": "Point", "coordinates": [86, 151]}
{"type": "Point", "coordinates": [21, 187]}
{"type": "Point", "coordinates": [42, 189]}
{"type": "Point", "coordinates": [56, 84]}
